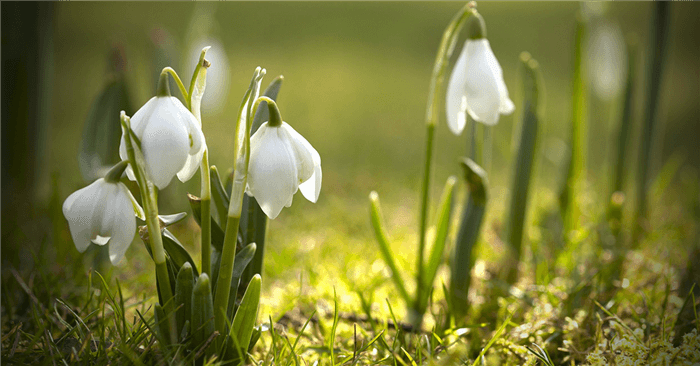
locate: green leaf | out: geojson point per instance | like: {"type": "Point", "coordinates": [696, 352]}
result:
{"type": "Point", "coordinates": [244, 320]}
{"type": "Point", "coordinates": [162, 324]}
{"type": "Point", "coordinates": [493, 339]}
{"type": "Point", "coordinates": [523, 164]}
{"type": "Point", "coordinates": [243, 257]}
{"type": "Point", "coordinates": [177, 253]}
{"type": "Point", "coordinates": [167, 220]}
{"type": "Point", "coordinates": [217, 234]}
{"type": "Point", "coordinates": [219, 196]}
{"type": "Point", "coordinates": [99, 147]}
{"type": "Point", "coordinates": [202, 313]}
{"type": "Point", "coordinates": [579, 129]}
{"type": "Point", "coordinates": [443, 224]}
{"type": "Point", "coordinates": [472, 217]}
{"type": "Point", "coordinates": [384, 247]}
{"type": "Point", "coordinates": [183, 295]}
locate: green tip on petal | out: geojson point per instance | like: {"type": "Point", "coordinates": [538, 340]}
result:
{"type": "Point", "coordinates": [115, 174]}
{"type": "Point", "coordinates": [476, 28]}
{"type": "Point", "coordinates": [275, 116]}
{"type": "Point", "coordinates": [163, 85]}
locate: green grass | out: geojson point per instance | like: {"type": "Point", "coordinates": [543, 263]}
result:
{"type": "Point", "coordinates": [65, 314]}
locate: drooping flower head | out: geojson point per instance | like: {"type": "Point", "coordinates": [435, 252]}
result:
{"type": "Point", "coordinates": [171, 138]}
{"type": "Point", "coordinates": [281, 162]}
{"type": "Point", "coordinates": [476, 85]}
{"type": "Point", "coordinates": [102, 213]}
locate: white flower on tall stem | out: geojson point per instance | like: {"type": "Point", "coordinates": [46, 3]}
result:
{"type": "Point", "coordinates": [103, 212]}
{"type": "Point", "coordinates": [476, 85]}
{"type": "Point", "coordinates": [281, 162]}
{"type": "Point", "coordinates": [171, 138]}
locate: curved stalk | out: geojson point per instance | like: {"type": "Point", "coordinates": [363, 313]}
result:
{"type": "Point", "coordinates": [447, 45]}
{"type": "Point", "coordinates": [240, 177]}
{"type": "Point", "coordinates": [150, 206]}
{"type": "Point", "coordinates": [197, 87]}
{"type": "Point", "coordinates": [179, 83]}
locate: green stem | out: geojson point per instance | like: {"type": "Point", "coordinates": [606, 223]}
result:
{"type": "Point", "coordinates": [205, 216]}
{"type": "Point", "coordinates": [657, 57]}
{"type": "Point", "coordinates": [150, 206]}
{"type": "Point", "coordinates": [425, 190]}
{"type": "Point", "coordinates": [463, 260]}
{"type": "Point", "coordinates": [577, 159]}
{"type": "Point", "coordinates": [240, 177]}
{"type": "Point", "coordinates": [203, 63]}
{"type": "Point", "coordinates": [179, 83]}
{"type": "Point", "coordinates": [197, 86]}
{"type": "Point", "coordinates": [223, 283]}
{"type": "Point", "coordinates": [447, 45]}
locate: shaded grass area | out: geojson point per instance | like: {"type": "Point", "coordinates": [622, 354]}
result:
{"type": "Point", "coordinates": [327, 298]}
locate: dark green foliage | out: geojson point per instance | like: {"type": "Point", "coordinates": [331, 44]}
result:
{"type": "Point", "coordinates": [523, 165]}
{"type": "Point", "coordinates": [470, 225]}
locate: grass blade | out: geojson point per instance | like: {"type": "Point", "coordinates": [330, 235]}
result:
{"type": "Point", "coordinates": [470, 226]}
{"type": "Point", "coordinates": [436, 254]}
{"type": "Point", "coordinates": [384, 247]}
{"type": "Point", "coordinates": [524, 162]}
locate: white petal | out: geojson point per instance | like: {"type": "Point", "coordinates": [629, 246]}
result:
{"type": "Point", "coordinates": [138, 211]}
{"type": "Point", "coordinates": [191, 165]}
{"type": "Point", "coordinates": [79, 209]}
{"type": "Point", "coordinates": [197, 143]}
{"type": "Point", "coordinates": [105, 212]}
{"type": "Point", "coordinates": [303, 152]}
{"type": "Point", "coordinates": [101, 240]}
{"type": "Point", "coordinates": [192, 124]}
{"type": "Point", "coordinates": [165, 143]}
{"type": "Point", "coordinates": [142, 116]}
{"type": "Point", "coordinates": [456, 97]}
{"type": "Point", "coordinates": [311, 187]}
{"type": "Point", "coordinates": [483, 96]}
{"type": "Point", "coordinates": [272, 171]}
{"type": "Point", "coordinates": [507, 106]}
{"type": "Point", "coordinates": [123, 225]}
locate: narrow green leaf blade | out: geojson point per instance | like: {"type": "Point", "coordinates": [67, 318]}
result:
{"type": "Point", "coordinates": [243, 258]}
{"type": "Point", "coordinates": [462, 262]}
{"type": "Point", "coordinates": [184, 284]}
{"type": "Point", "coordinates": [523, 164]}
{"type": "Point", "coordinates": [202, 313]}
{"type": "Point", "coordinates": [219, 196]}
{"type": "Point", "coordinates": [441, 230]}
{"type": "Point", "coordinates": [384, 247]}
{"type": "Point", "coordinates": [246, 316]}
{"type": "Point", "coordinates": [177, 253]}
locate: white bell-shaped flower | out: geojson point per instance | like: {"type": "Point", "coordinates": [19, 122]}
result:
{"type": "Point", "coordinates": [102, 213]}
{"type": "Point", "coordinates": [171, 138]}
{"type": "Point", "coordinates": [476, 85]}
{"type": "Point", "coordinates": [281, 162]}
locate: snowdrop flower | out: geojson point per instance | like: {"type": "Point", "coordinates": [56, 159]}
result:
{"type": "Point", "coordinates": [171, 138]}
{"type": "Point", "coordinates": [281, 162]}
{"type": "Point", "coordinates": [102, 213]}
{"type": "Point", "coordinates": [476, 85]}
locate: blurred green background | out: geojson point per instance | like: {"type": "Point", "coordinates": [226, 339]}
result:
{"type": "Point", "coordinates": [356, 86]}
